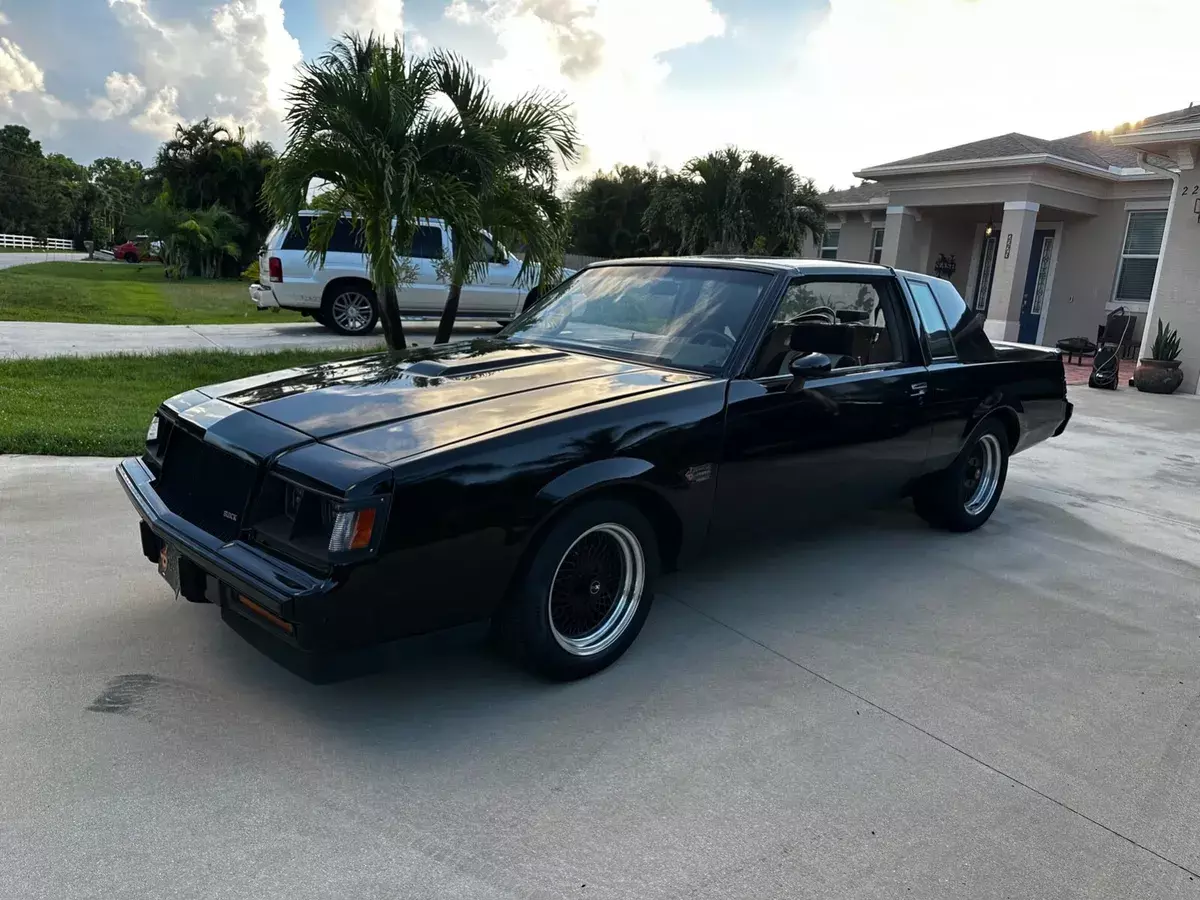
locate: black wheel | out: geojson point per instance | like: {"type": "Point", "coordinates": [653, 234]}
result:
{"type": "Point", "coordinates": [348, 310]}
{"type": "Point", "coordinates": [130, 256]}
{"type": "Point", "coordinates": [963, 496]}
{"type": "Point", "coordinates": [585, 594]}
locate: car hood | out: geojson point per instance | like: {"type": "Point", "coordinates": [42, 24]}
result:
{"type": "Point", "coordinates": [390, 406]}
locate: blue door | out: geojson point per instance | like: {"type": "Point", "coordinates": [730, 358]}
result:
{"type": "Point", "coordinates": [1037, 280]}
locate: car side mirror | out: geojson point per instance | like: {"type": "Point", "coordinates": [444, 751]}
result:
{"type": "Point", "coordinates": [810, 364]}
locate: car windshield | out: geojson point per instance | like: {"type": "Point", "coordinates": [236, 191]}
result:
{"type": "Point", "coordinates": [689, 317]}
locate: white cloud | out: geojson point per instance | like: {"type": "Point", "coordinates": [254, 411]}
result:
{"type": "Point", "coordinates": [122, 93]}
{"type": "Point", "coordinates": [607, 58]}
{"type": "Point", "coordinates": [462, 12]}
{"type": "Point", "coordinates": [3, 18]}
{"type": "Point", "coordinates": [384, 17]}
{"type": "Point", "coordinates": [23, 94]}
{"type": "Point", "coordinates": [160, 115]}
{"type": "Point", "coordinates": [233, 62]}
{"type": "Point", "coordinates": [878, 81]}
{"type": "Point", "coordinates": [18, 73]}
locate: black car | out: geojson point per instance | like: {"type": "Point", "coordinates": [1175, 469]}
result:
{"type": "Point", "coordinates": [641, 411]}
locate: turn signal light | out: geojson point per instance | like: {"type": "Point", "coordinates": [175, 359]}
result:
{"type": "Point", "coordinates": [352, 530]}
{"type": "Point", "coordinates": [275, 269]}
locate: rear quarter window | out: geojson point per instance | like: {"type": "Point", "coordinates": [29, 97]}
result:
{"type": "Point", "coordinates": [937, 332]}
{"type": "Point", "coordinates": [966, 326]}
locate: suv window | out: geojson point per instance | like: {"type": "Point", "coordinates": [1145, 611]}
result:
{"type": "Point", "coordinates": [297, 238]}
{"type": "Point", "coordinates": [936, 330]}
{"type": "Point", "coordinates": [850, 320]}
{"type": "Point", "coordinates": [427, 242]}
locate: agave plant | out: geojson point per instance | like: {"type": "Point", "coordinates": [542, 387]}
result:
{"type": "Point", "coordinates": [1166, 344]}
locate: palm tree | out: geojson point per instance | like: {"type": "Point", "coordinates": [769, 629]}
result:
{"type": "Point", "coordinates": [734, 202]}
{"type": "Point", "coordinates": [362, 118]}
{"type": "Point", "coordinates": [514, 180]}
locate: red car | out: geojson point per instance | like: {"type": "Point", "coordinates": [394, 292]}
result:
{"type": "Point", "coordinates": [137, 250]}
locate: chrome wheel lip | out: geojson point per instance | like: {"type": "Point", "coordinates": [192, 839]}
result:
{"type": "Point", "coordinates": [351, 310]}
{"type": "Point", "coordinates": [989, 475]}
{"type": "Point", "coordinates": [624, 608]}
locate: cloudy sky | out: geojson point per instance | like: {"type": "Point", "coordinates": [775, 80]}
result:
{"type": "Point", "coordinates": [829, 85]}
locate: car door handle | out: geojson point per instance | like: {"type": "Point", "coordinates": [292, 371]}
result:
{"type": "Point", "coordinates": [918, 389]}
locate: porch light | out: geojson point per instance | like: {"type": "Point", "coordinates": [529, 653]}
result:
{"type": "Point", "coordinates": [987, 232]}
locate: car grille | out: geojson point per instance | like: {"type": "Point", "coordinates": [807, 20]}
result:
{"type": "Point", "coordinates": [203, 484]}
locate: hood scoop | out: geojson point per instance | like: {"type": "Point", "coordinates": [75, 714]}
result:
{"type": "Point", "coordinates": [450, 368]}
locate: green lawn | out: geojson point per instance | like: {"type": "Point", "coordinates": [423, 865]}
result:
{"type": "Point", "coordinates": [123, 294]}
{"type": "Point", "coordinates": [101, 405]}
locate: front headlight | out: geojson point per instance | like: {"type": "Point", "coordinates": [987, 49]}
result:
{"type": "Point", "coordinates": [316, 525]}
{"type": "Point", "coordinates": [152, 431]}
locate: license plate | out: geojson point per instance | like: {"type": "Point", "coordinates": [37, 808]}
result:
{"type": "Point", "coordinates": [168, 566]}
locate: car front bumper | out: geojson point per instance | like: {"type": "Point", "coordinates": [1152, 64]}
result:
{"type": "Point", "coordinates": [294, 600]}
{"type": "Point", "coordinates": [1067, 411]}
{"type": "Point", "coordinates": [263, 297]}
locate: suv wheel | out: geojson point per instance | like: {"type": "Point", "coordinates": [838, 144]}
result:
{"type": "Point", "coordinates": [349, 310]}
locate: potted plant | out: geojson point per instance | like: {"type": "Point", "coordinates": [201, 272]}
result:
{"type": "Point", "coordinates": [1160, 373]}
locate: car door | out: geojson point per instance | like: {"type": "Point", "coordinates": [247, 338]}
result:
{"type": "Point", "coordinates": [493, 293]}
{"type": "Point", "coordinates": [426, 294]}
{"type": "Point", "coordinates": [799, 452]}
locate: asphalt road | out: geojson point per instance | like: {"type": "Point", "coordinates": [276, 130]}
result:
{"type": "Point", "coordinates": [44, 339]}
{"type": "Point", "coordinates": [868, 709]}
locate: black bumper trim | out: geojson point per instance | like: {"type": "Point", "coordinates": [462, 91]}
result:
{"type": "Point", "coordinates": [1066, 418]}
{"type": "Point", "coordinates": [267, 580]}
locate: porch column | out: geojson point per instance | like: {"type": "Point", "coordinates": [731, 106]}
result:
{"type": "Point", "coordinates": [1012, 266]}
{"type": "Point", "coordinates": [900, 238]}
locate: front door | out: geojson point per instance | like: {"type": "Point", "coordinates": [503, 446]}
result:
{"type": "Point", "coordinates": [797, 455]}
{"type": "Point", "coordinates": [1037, 282]}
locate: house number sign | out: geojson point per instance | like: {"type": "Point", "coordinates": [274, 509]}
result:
{"type": "Point", "coordinates": [1008, 245]}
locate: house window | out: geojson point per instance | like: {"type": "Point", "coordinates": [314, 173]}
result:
{"type": "Point", "coordinates": [1139, 256]}
{"type": "Point", "coordinates": [877, 245]}
{"type": "Point", "coordinates": [987, 268]}
{"type": "Point", "coordinates": [829, 243]}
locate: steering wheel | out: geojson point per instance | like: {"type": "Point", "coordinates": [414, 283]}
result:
{"type": "Point", "coordinates": [725, 340]}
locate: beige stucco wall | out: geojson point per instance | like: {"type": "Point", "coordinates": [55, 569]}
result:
{"type": "Point", "coordinates": [1088, 255]}
{"type": "Point", "coordinates": [957, 238]}
{"type": "Point", "coordinates": [855, 242]}
{"type": "Point", "coordinates": [1177, 294]}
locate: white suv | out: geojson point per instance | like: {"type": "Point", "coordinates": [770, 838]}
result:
{"type": "Point", "coordinates": [340, 295]}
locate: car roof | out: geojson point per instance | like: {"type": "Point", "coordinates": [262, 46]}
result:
{"type": "Point", "coordinates": [773, 264]}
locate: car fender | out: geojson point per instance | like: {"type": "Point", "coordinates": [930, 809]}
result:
{"type": "Point", "coordinates": [1008, 410]}
{"type": "Point", "coordinates": [587, 477]}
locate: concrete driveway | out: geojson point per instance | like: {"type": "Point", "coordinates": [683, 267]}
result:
{"type": "Point", "coordinates": [867, 710]}
{"type": "Point", "coordinates": [8, 260]}
{"type": "Point", "coordinates": [44, 339]}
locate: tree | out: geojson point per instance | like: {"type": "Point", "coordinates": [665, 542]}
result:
{"type": "Point", "coordinates": [206, 163]}
{"type": "Point", "coordinates": [363, 119]}
{"type": "Point", "coordinates": [733, 202]}
{"type": "Point", "coordinates": [607, 212]}
{"type": "Point", "coordinates": [508, 155]}
{"type": "Point", "coordinates": [125, 186]}
{"type": "Point", "coordinates": [21, 181]}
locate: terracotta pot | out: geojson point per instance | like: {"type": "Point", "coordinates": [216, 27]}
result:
{"type": "Point", "coordinates": [1157, 376]}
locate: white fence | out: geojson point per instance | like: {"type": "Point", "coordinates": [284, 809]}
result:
{"type": "Point", "coordinates": [25, 242]}
{"type": "Point", "coordinates": [578, 260]}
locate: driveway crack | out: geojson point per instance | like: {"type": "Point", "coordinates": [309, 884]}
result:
{"type": "Point", "coordinates": [929, 734]}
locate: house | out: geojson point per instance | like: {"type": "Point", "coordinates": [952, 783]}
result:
{"type": "Point", "coordinates": [1044, 237]}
